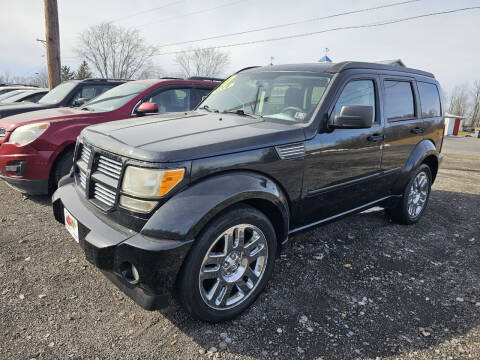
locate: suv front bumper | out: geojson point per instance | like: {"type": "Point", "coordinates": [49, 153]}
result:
{"type": "Point", "coordinates": [112, 248]}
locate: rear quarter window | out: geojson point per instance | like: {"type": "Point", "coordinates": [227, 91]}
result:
{"type": "Point", "coordinates": [429, 99]}
{"type": "Point", "coordinates": [399, 101]}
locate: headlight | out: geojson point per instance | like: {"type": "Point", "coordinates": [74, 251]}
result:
{"type": "Point", "coordinates": [25, 134]}
{"type": "Point", "coordinates": [148, 183]}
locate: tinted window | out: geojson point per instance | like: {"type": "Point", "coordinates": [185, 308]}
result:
{"type": "Point", "coordinates": [358, 92]}
{"type": "Point", "coordinates": [200, 94]}
{"type": "Point", "coordinates": [58, 93]}
{"type": "Point", "coordinates": [173, 100]}
{"type": "Point", "coordinates": [91, 91]}
{"type": "Point", "coordinates": [429, 99]}
{"type": "Point", "coordinates": [399, 103]}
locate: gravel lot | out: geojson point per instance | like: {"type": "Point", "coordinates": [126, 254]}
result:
{"type": "Point", "coordinates": [359, 288]}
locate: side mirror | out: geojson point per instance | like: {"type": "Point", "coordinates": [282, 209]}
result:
{"type": "Point", "coordinates": [80, 101]}
{"type": "Point", "coordinates": [147, 108]}
{"type": "Point", "coordinates": [353, 117]}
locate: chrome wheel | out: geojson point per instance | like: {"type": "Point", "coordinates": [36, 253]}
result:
{"type": "Point", "coordinates": [417, 197]}
{"type": "Point", "coordinates": [233, 266]}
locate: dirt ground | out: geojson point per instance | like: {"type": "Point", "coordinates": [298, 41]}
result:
{"type": "Point", "coordinates": [360, 288]}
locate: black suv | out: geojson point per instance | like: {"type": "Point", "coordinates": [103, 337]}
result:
{"type": "Point", "coordinates": [200, 202]}
{"type": "Point", "coordinates": [68, 93]}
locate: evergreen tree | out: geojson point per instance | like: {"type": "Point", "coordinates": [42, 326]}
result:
{"type": "Point", "coordinates": [83, 71]}
{"type": "Point", "coordinates": [67, 73]}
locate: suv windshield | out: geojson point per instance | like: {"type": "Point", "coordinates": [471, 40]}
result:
{"type": "Point", "coordinates": [58, 93]}
{"type": "Point", "coordinates": [116, 97]}
{"type": "Point", "coordinates": [290, 96]}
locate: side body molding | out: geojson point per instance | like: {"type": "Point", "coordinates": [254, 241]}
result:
{"type": "Point", "coordinates": [421, 151]}
{"type": "Point", "coordinates": [184, 215]}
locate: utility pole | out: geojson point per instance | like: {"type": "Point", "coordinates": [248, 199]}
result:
{"type": "Point", "coordinates": [53, 42]}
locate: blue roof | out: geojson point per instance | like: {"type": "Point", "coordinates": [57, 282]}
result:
{"type": "Point", "coordinates": [325, 59]}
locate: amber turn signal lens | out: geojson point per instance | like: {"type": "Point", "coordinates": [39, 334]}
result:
{"type": "Point", "coordinates": [170, 179]}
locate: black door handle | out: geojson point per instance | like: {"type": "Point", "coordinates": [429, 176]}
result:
{"type": "Point", "coordinates": [375, 137]}
{"type": "Point", "coordinates": [417, 130]}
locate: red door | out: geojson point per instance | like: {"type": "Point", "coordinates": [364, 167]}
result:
{"type": "Point", "coordinates": [456, 126]}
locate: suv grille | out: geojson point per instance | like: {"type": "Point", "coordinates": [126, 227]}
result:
{"type": "Point", "coordinates": [3, 132]}
{"type": "Point", "coordinates": [109, 167]}
{"type": "Point", "coordinates": [104, 194]}
{"type": "Point", "coordinates": [102, 187]}
{"type": "Point", "coordinates": [85, 155]}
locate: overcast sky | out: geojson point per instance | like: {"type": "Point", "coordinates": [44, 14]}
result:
{"type": "Point", "coordinates": [446, 45]}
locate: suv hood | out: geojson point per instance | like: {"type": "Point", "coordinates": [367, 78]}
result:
{"type": "Point", "coordinates": [56, 114]}
{"type": "Point", "coordinates": [12, 109]}
{"type": "Point", "coordinates": [188, 136]}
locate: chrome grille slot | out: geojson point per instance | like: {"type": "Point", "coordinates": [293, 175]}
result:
{"type": "Point", "coordinates": [109, 167]}
{"type": "Point", "coordinates": [85, 155]}
{"type": "Point", "coordinates": [104, 194]}
{"type": "Point", "coordinates": [3, 132]}
{"type": "Point", "coordinates": [83, 179]}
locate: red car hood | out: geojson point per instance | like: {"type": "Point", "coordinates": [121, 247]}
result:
{"type": "Point", "coordinates": [10, 123]}
{"type": "Point", "coordinates": [56, 114]}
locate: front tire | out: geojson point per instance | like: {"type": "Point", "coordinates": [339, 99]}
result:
{"type": "Point", "coordinates": [62, 168]}
{"type": "Point", "coordinates": [229, 265]}
{"type": "Point", "coordinates": [415, 198]}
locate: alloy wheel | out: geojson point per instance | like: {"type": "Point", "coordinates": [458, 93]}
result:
{"type": "Point", "coordinates": [417, 197]}
{"type": "Point", "coordinates": [233, 266]}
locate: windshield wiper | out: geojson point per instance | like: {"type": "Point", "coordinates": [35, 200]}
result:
{"type": "Point", "coordinates": [206, 107]}
{"type": "Point", "coordinates": [242, 113]}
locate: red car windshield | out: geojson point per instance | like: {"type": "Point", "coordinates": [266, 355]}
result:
{"type": "Point", "coordinates": [116, 97]}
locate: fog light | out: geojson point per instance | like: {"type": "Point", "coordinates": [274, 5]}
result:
{"type": "Point", "coordinates": [130, 273]}
{"type": "Point", "coordinates": [19, 167]}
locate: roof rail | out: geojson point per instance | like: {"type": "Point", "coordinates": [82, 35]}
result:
{"type": "Point", "coordinates": [338, 67]}
{"type": "Point", "coordinates": [103, 79]}
{"type": "Point", "coordinates": [170, 78]}
{"type": "Point", "coordinates": [204, 78]}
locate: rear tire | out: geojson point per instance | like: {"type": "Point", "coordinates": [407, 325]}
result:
{"type": "Point", "coordinates": [225, 271]}
{"type": "Point", "coordinates": [410, 209]}
{"type": "Point", "coordinates": [62, 167]}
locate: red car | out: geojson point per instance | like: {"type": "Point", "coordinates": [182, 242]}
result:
{"type": "Point", "coordinates": [36, 148]}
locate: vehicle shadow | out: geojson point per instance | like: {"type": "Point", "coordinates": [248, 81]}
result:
{"type": "Point", "coordinates": [363, 287]}
{"type": "Point", "coordinates": [39, 199]}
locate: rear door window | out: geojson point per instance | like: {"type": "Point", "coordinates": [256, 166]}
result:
{"type": "Point", "coordinates": [429, 99]}
{"type": "Point", "coordinates": [399, 100]}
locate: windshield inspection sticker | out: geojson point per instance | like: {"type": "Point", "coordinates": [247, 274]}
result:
{"type": "Point", "coordinates": [299, 115]}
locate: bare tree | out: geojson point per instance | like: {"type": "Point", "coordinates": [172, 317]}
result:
{"type": "Point", "coordinates": [115, 52]}
{"type": "Point", "coordinates": [459, 100]}
{"type": "Point", "coordinates": [38, 79]}
{"type": "Point", "coordinates": [475, 114]}
{"type": "Point", "coordinates": [202, 62]}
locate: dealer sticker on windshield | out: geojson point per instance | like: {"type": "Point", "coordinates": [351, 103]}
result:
{"type": "Point", "coordinates": [71, 224]}
{"type": "Point", "coordinates": [299, 115]}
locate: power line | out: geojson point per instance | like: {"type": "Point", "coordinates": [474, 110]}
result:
{"type": "Point", "coordinates": [327, 30]}
{"type": "Point", "coordinates": [290, 24]}
{"type": "Point", "coordinates": [193, 13]}
{"type": "Point", "coordinates": [148, 10]}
